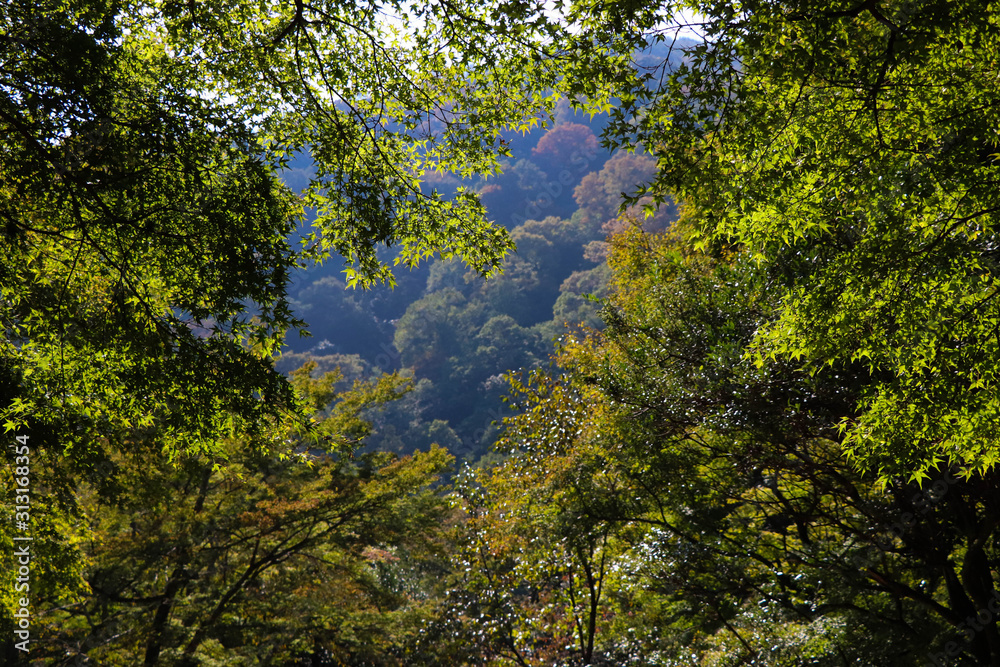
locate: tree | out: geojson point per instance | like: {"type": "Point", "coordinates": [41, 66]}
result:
{"type": "Point", "coordinates": [754, 503]}
{"type": "Point", "coordinates": [845, 156]}
{"type": "Point", "coordinates": [330, 306]}
{"type": "Point", "coordinates": [148, 240]}
{"type": "Point", "coordinates": [255, 558]}
{"type": "Point", "coordinates": [744, 532]}
{"type": "Point", "coordinates": [850, 147]}
{"type": "Point", "coordinates": [601, 194]}
{"type": "Point", "coordinates": [565, 146]}
{"type": "Point", "coordinates": [534, 569]}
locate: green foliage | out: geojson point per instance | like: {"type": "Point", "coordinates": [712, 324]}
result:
{"type": "Point", "coordinates": [148, 251]}
{"type": "Point", "coordinates": [716, 493]}
{"type": "Point", "coordinates": [692, 483]}
{"type": "Point", "coordinates": [249, 558]}
{"type": "Point", "coordinates": [851, 149]}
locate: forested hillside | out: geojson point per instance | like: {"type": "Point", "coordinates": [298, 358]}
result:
{"type": "Point", "coordinates": [456, 336]}
{"type": "Point", "coordinates": [770, 438]}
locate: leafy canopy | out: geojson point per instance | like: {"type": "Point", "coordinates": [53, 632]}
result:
{"type": "Point", "coordinates": [148, 241]}
{"type": "Point", "coordinates": [851, 148]}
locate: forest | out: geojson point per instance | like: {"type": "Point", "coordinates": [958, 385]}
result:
{"type": "Point", "coordinates": [499, 333]}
